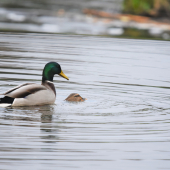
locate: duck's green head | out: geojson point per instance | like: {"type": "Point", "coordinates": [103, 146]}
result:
{"type": "Point", "coordinates": [50, 70]}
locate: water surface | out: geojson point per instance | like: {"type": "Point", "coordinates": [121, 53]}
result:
{"type": "Point", "coordinates": [123, 124]}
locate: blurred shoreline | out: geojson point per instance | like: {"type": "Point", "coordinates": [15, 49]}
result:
{"type": "Point", "coordinates": [86, 21]}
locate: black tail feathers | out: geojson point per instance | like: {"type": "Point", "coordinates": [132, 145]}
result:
{"type": "Point", "coordinates": [6, 99]}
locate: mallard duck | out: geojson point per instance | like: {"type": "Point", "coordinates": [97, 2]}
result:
{"type": "Point", "coordinates": [30, 94]}
{"type": "Point", "coordinates": [75, 97]}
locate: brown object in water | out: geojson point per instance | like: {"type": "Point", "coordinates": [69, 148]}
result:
{"type": "Point", "coordinates": [75, 97]}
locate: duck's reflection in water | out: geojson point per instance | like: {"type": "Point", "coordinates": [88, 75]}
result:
{"type": "Point", "coordinates": [34, 117]}
{"type": "Point", "coordinates": [23, 116]}
{"type": "Point", "coordinates": [47, 114]}
{"type": "Point", "coordinates": [48, 129]}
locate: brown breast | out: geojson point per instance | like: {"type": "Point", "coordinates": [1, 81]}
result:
{"type": "Point", "coordinates": [50, 86]}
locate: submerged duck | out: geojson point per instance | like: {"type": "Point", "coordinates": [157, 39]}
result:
{"type": "Point", "coordinates": [30, 94]}
{"type": "Point", "coordinates": [75, 97]}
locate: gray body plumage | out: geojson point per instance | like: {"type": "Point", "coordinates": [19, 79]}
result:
{"type": "Point", "coordinates": [32, 94]}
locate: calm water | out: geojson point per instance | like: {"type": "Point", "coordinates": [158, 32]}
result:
{"type": "Point", "coordinates": [123, 124]}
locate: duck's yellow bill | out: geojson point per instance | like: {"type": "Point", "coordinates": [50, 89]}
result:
{"type": "Point", "coordinates": [63, 75]}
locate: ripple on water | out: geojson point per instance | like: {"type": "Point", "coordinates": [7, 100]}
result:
{"type": "Point", "coordinates": [123, 124]}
